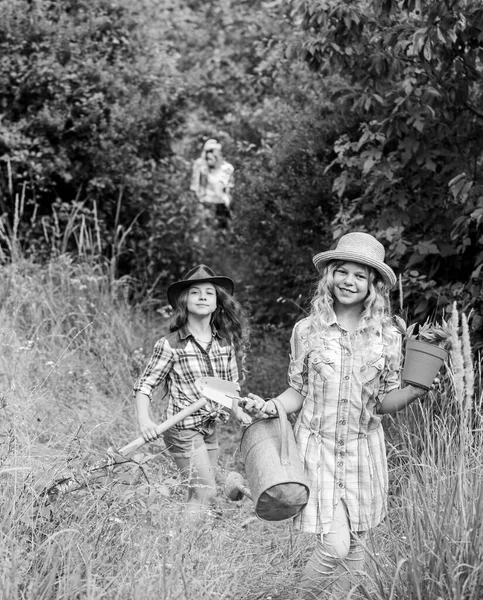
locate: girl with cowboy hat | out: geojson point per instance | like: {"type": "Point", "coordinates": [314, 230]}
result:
{"type": "Point", "coordinates": [344, 373]}
{"type": "Point", "coordinates": [208, 331]}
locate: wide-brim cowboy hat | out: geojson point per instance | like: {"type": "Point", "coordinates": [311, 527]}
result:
{"type": "Point", "coordinates": [199, 274]}
{"type": "Point", "coordinates": [361, 248]}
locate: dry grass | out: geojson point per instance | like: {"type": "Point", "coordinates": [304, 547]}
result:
{"type": "Point", "coordinates": [71, 347]}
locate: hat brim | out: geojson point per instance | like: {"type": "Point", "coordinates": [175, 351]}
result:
{"type": "Point", "coordinates": [175, 289]}
{"type": "Point", "coordinates": [384, 270]}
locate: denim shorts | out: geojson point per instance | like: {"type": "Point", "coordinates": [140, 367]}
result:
{"type": "Point", "coordinates": [186, 443]}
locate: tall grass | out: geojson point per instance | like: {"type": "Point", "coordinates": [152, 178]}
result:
{"type": "Point", "coordinates": [433, 543]}
{"type": "Point", "coordinates": [71, 348]}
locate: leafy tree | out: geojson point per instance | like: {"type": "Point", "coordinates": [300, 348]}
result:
{"type": "Point", "coordinates": [107, 103]}
{"type": "Point", "coordinates": [90, 106]}
{"type": "Point", "coordinates": [411, 72]}
{"type": "Point", "coordinates": [242, 89]}
{"type": "Point", "coordinates": [284, 214]}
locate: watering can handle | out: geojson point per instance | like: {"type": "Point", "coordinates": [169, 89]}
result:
{"type": "Point", "coordinates": [282, 419]}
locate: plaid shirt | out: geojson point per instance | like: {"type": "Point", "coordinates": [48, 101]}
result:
{"type": "Point", "coordinates": [339, 435]}
{"type": "Point", "coordinates": [178, 361]}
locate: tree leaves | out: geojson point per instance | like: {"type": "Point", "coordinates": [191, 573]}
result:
{"type": "Point", "coordinates": [413, 78]}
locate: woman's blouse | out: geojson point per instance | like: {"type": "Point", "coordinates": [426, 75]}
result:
{"type": "Point", "coordinates": [178, 360]}
{"type": "Point", "coordinates": [339, 435]}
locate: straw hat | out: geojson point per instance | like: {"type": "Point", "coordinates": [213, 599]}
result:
{"type": "Point", "coordinates": [361, 248]}
{"type": "Point", "coordinates": [199, 274]}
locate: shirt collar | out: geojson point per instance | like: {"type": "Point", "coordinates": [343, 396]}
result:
{"type": "Point", "coordinates": [185, 333]}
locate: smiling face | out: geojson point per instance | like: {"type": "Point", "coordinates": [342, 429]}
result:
{"type": "Point", "coordinates": [201, 299]}
{"type": "Point", "coordinates": [351, 284]}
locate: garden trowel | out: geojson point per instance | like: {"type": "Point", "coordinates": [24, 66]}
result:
{"type": "Point", "coordinates": [219, 390]}
{"type": "Point", "coordinates": [222, 391]}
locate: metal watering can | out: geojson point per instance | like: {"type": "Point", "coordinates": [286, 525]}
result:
{"type": "Point", "coordinates": [275, 474]}
{"type": "Point", "coordinates": [273, 468]}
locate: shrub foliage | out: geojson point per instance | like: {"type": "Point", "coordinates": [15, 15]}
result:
{"type": "Point", "coordinates": [106, 104]}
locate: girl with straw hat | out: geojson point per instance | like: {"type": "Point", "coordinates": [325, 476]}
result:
{"type": "Point", "coordinates": [208, 331]}
{"type": "Point", "coordinates": [344, 373]}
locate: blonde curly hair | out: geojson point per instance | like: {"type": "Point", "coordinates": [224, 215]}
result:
{"type": "Point", "coordinates": [376, 317]}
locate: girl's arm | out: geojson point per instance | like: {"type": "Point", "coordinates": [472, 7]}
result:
{"type": "Point", "coordinates": [195, 178]}
{"type": "Point", "coordinates": [256, 407]}
{"type": "Point", "coordinates": [291, 400]}
{"type": "Point", "coordinates": [398, 399]}
{"type": "Point", "coordinates": [154, 374]}
{"type": "Point", "coordinates": [146, 425]}
{"type": "Point", "coordinates": [240, 417]}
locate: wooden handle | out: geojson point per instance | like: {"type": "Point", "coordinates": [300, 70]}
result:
{"type": "Point", "coordinates": [164, 426]}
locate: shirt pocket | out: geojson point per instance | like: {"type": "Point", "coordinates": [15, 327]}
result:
{"type": "Point", "coordinates": [324, 365]}
{"type": "Point", "coordinates": [371, 371]}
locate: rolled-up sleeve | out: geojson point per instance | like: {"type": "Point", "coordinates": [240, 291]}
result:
{"type": "Point", "coordinates": [233, 374]}
{"type": "Point", "coordinates": [157, 368]}
{"type": "Point", "coordinates": [297, 370]}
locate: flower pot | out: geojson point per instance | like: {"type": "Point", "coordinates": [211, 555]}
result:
{"type": "Point", "coordinates": [422, 363]}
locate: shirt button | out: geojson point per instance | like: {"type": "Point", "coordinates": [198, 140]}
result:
{"type": "Point", "coordinates": [341, 485]}
{"type": "Point", "coordinates": [342, 422]}
{"type": "Point", "coordinates": [341, 442]}
{"type": "Point", "coordinates": [340, 464]}
{"type": "Point", "coordinates": [344, 400]}
{"type": "Point", "coordinates": [346, 377]}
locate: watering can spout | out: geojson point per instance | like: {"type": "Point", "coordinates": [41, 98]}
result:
{"type": "Point", "coordinates": [235, 488]}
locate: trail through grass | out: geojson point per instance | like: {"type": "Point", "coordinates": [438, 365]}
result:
{"type": "Point", "coordinates": [71, 348]}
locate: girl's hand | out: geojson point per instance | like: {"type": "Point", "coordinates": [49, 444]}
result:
{"type": "Point", "coordinates": [256, 407]}
{"type": "Point", "coordinates": [418, 392]}
{"type": "Point", "coordinates": [240, 416]}
{"type": "Point", "coordinates": [148, 429]}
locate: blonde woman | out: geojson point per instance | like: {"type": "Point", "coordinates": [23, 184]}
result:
{"type": "Point", "coordinates": [212, 181]}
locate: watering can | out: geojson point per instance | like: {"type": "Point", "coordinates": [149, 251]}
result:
{"type": "Point", "coordinates": [275, 474]}
{"type": "Point", "coordinates": [274, 470]}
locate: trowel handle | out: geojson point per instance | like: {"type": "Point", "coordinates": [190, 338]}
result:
{"type": "Point", "coordinates": [164, 426]}
{"type": "Point", "coordinates": [270, 411]}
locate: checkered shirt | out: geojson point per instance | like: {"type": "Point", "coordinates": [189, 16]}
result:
{"type": "Point", "coordinates": [178, 361]}
{"type": "Point", "coordinates": [339, 435]}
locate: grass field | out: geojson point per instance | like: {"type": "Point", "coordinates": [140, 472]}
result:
{"type": "Point", "coordinates": [71, 347]}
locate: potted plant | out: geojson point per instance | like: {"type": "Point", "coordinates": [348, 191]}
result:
{"type": "Point", "coordinates": [425, 350]}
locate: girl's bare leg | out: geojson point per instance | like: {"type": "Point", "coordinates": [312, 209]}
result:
{"type": "Point", "coordinates": [200, 470]}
